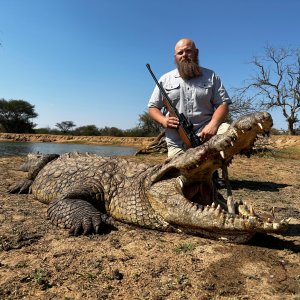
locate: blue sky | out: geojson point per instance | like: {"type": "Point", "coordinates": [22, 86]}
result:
{"type": "Point", "coordinates": [84, 60]}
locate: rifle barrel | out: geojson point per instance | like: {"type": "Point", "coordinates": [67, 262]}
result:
{"type": "Point", "coordinates": [158, 84]}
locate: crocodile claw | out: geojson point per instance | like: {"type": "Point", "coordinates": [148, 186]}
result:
{"type": "Point", "coordinates": [21, 187]}
{"type": "Point", "coordinates": [79, 216]}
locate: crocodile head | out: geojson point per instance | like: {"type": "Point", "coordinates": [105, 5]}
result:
{"type": "Point", "coordinates": [183, 191]}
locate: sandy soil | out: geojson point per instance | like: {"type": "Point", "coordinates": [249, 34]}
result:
{"type": "Point", "coordinates": [40, 261]}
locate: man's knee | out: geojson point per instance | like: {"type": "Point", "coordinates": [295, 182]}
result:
{"type": "Point", "coordinates": [173, 151]}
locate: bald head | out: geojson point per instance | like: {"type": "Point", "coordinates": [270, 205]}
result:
{"type": "Point", "coordinates": [185, 43]}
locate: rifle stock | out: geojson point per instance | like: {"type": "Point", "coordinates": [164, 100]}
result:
{"type": "Point", "coordinates": [181, 131]}
{"type": "Point", "coordinates": [185, 128]}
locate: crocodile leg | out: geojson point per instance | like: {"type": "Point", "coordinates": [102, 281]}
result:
{"type": "Point", "coordinates": [21, 187]}
{"type": "Point", "coordinates": [33, 165]}
{"type": "Point", "coordinates": [80, 210]}
{"type": "Point", "coordinates": [79, 216]}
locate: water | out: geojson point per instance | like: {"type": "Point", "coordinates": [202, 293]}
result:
{"type": "Point", "coordinates": [23, 148]}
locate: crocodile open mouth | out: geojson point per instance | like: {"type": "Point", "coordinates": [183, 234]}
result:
{"type": "Point", "coordinates": [216, 220]}
{"type": "Point", "coordinates": [185, 187]}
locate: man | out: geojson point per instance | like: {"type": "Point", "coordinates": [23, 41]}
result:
{"type": "Point", "coordinates": [196, 92]}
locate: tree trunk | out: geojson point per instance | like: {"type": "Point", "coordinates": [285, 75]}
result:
{"type": "Point", "coordinates": [291, 129]}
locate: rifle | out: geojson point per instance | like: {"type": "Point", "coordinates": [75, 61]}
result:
{"type": "Point", "coordinates": [185, 128]}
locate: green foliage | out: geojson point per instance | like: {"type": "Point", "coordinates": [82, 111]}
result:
{"type": "Point", "coordinates": [47, 130]}
{"type": "Point", "coordinates": [135, 132]}
{"type": "Point", "coordinates": [183, 248]}
{"type": "Point", "coordinates": [89, 130]}
{"type": "Point", "coordinates": [111, 131]}
{"type": "Point", "coordinates": [148, 126]}
{"type": "Point", "coordinates": [65, 126]}
{"type": "Point", "coordinates": [15, 116]}
{"type": "Point", "coordinates": [40, 276]}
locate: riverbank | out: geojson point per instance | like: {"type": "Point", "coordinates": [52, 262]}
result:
{"type": "Point", "coordinates": [276, 141]}
{"type": "Point", "coordinates": [98, 140]}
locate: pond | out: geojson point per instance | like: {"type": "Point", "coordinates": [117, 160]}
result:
{"type": "Point", "coordinates": [23, 148]}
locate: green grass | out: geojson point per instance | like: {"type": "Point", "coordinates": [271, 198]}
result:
{"type": "Point", "coordinates": [183, 248]}
{"type": "Point", "coordinates": [40, 277]}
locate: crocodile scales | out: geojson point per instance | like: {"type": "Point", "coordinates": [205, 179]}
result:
{"type": "Point", "coordinates": [86, 191]}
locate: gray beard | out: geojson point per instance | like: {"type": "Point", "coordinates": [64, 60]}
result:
{"type": "Point", "coordinates": [189, 69]}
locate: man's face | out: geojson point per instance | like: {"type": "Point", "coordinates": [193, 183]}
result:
{"type": "Point", "coordinates": [186, 59]}
{"type": "Point", "coordinates": [185, 50]}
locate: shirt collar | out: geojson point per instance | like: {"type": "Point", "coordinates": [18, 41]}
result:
{"type": "Point", "coordinates": [176, 75]}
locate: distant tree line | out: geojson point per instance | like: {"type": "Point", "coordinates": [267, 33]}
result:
{"type": "Point", "coordinates": [15, 117]}
{"type": "Point", "coordinates": [275, 84]}
{"type": "Point", "coordinates": [146, 127]}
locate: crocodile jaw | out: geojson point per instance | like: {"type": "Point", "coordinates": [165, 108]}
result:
{"type": "Point", "coordinates": [209, 221]}
{"type": "Point", "coordinates": [197, 166]}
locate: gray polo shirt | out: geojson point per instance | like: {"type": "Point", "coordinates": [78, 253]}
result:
{"type": "Point", "coordinates": [196, 98]}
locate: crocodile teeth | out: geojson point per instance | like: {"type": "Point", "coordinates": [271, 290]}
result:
{"type": "Point", "coordinates": [273, 211]}
{"type": "Point", "coordinates": [213, 205]}
{"type": "Point", "coordinates": [199, 208]}
{"type": "Point", "coordinates": [235, 132]}
{"type": "Point", "coordinates": [206, 208]}
{"type": "Point", "coordinates": [232, 144]}
{"type": "Point", "coordinates": [222, 154]}
{"type": "Point", "coordinates": [260, 125]}
{"type": "Point", "coordinates": [252, 213]}
{"type": "Point", "coordinates": [285, 221]}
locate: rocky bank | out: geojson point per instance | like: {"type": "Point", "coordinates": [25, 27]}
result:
{"type": "Point", "coordinates": [99, 140]}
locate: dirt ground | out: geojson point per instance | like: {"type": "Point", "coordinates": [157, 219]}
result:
{"type": "Point", "coordinates": [40, 261]}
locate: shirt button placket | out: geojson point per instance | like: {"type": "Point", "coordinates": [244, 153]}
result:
{"type": "Point", "coordinates": [190, 101]}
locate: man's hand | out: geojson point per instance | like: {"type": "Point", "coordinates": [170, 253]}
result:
{"type": "Point", "coordinates": [171, 122]}
{"type": "Point", "coordinates": [166, 122]}
{"type": "Point", "coordinates": [208, 131]}
{"type": "Point", "coordinates": [212, 127]}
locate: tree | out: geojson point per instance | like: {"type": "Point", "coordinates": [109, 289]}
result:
{"type": "Point", "coordinates": [65, 126]}
{"type": "Point", "coordinates": [148, 126]}
{"type": "Point", "coordinates": [110, 131]}
{"type": "Point", "coordinates": [15, 116]}
{"type": "Point", "coordinates": [277, 83]}
{"type": "Point", "coordinates": [88, 130]}
{"type": "Point", "coordinates": [240, 106]}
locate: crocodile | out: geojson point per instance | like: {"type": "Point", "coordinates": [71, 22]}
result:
{"type": "Point", "coordinates": [85, 192]}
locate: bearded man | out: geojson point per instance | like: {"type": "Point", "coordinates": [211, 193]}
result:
{"type": "Point", "coordinates": [196, 92]}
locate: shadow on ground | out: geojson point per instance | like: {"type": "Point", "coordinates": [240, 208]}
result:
{"type": "Point", "coordinates": [264, 186]}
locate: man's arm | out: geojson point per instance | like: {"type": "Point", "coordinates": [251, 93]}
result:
{"type": "Point", "coordinates": [158, 116]}
{"type": "Point", "coordinates": [218, 117]}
